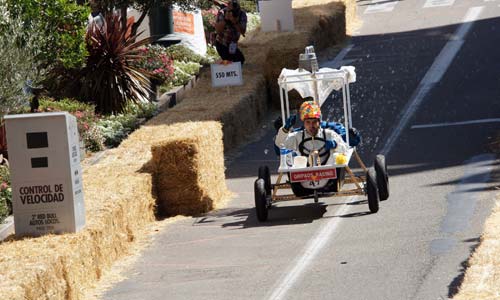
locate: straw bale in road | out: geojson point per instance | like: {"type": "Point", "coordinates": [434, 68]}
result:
{"type": "Point", "coordinates": [189, 169]}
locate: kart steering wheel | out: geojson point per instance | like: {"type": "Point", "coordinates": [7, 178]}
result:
{"type": "Point", "coordinates": [321, 151]}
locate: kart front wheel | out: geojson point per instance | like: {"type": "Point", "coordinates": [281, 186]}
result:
{"type": "Point", "coordinates": [372, 191]}
{"type": "Point", "coordinates": [382, 177]}
{"type": "Point", "coordinates": [260, 199]}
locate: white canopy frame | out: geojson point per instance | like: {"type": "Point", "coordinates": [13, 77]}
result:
{"type": "Point", "coordinates": [306, 83]}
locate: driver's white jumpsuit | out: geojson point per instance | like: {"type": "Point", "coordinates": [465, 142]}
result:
{"type": "Point", "coordinates": [291, 140]}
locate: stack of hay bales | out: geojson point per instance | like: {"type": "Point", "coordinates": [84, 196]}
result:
{"type": "Point", "coordinates": [174, 161]}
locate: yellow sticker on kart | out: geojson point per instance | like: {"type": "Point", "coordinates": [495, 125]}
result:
{"type": "Point", "coordinates": [313, 175]}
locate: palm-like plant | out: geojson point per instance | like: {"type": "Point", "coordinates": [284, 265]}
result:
{"type": "Point", "coordinates": [110, 78]}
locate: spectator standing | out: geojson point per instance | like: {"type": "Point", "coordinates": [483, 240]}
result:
{"type": "Point", "coordinates": [230, 24]}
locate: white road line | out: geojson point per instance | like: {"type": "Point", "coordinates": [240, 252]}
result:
{"type": "Point", "coordinates": [435, 3]}
{"type": "Point", "coordinates": [377, 6]}
{"type": "Point", "coordinates": [434, 74]}
{"type": "Point", "coordinates": [455, 123]}
{"type": "Point", "coordinates": [337, 61]}
{"type": "Point", "coordinates": [313, 247]}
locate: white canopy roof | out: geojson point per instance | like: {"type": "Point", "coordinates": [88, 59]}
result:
{"type": "Point", "coordinates": [327, 80]}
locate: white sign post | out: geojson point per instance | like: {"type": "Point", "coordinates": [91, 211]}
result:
{"type": "Point", "coordinates": [46, 176]}
{"type": "Point", "coordinates": [226, 75]}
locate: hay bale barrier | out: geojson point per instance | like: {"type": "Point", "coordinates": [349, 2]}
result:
{"type": "Point", "coordinates": [189, 173]}
{"type": "Point", "coordinates": [482, 276]}
{"type": "Point", "coordinates": [174, 162]}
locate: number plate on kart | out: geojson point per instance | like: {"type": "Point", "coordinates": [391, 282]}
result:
{"type": "Point", "coordinates": [313, 175]}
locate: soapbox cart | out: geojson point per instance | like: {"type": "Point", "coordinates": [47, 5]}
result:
{"type": "Point", "coordinates": [335, 177]}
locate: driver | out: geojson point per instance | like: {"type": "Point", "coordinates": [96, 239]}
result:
{"type": "Point", "coordinates": [312, 137]}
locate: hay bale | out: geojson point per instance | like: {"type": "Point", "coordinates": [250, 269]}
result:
{"type": "Point", "coordinates": [482, 277]}
{"type": "Point", "coordinates": [189, 169]}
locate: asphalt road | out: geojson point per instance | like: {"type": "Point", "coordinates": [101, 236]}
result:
{"type": "Point", "coordinates": [427, 96]}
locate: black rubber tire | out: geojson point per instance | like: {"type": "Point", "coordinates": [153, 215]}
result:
{"type": "Point", "coordinates": [260, 200]}
{"type": "Point", "coordinates": [382, 177]}
{"type": "Point", "coordinates": [266, 175]}
{"type": "Point", "coordinates": [372, 191]}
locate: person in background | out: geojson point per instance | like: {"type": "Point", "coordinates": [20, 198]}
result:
{"type": "Point", "coordinates": [95, 16]}
{"type": "Point", "coordinates": [230, 24]}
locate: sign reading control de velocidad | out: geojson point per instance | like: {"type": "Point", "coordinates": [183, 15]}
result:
{"type": "Point", "coordinates": [46, 176]}
{"type": "Point", "coordinates": [226, 74]}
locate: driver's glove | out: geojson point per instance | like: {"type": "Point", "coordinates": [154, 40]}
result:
{"type": "Point", "coordinates": [330, 144]}
{"type": "Point", "coordinates": [290, 122]}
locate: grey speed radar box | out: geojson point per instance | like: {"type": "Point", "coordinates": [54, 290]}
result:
{"type": "Point", "coordinates": [46, 176]}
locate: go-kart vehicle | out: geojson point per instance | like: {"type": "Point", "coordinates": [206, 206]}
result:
{"type": "Point", "coordinates": [334, 178]}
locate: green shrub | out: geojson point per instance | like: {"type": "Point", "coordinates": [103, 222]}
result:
{"type": "Point", "coordinates": [113, 130]}
{"type": "Point", "coordinates": [182, 53]}
{"type": "Point", "coordinates": [191, 68]}
{"type": "Point", "coordinates": [212, 54]}
{"type": "Point", "coordinates": [180, 77]}
{"type": "Point", "coordinates": [65, 104]}
{"type": "Point", "coordinates": [141, 110]}
{"type": "Point", "coordinates": [253, 21]}
{"type": "Point", "coordinates": [61, 23]}
{"type": "Point", "coordinates": [250, 6]}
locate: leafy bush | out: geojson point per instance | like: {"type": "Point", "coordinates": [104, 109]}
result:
{"type": "Point", "coordinates": [66, 104]}
{"type": "Point", "coordinates": [141, 110]}
{"type": "Point", "coordinates": [91, 136]}
{"type": "Point", "coordinates": [253, 21]}
{"type": "Point", "coordinates": [115, 128]}
{"type": "Point", "coordinates": [62, 25]}
{"type": "Point", "coordinates": [212, 54]}
{"type": "Point", "coordinates": [111, 78]}
{"type": "Point", "coordinates": [250, 6]}
{"type": "Point", "coordinates": [182, 53]}
{"type": "Point", "coordinates": [156, 62]}
{"type": "Point", "coordinates": [191, 68]}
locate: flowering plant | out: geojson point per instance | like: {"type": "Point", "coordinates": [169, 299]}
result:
{"type": "Point", "coordinates": [157, 62]}
{"type": "Point", "coordinates": [5, 190]}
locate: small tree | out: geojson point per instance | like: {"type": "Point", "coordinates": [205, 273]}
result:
{"type": "Point", "coordinates": [18, 63]}
{"type": "Point", "coordinates": [61, 22]}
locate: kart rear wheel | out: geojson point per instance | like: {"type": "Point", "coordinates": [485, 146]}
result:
{"type": "Point", "coordinates": [260, 199]}
{"type": "Point", "coordinates": [382, 177]}
{"type": "Point", "coordinates": [264, 174]}
{"type": "Point", "coordinates": [372, 191]}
